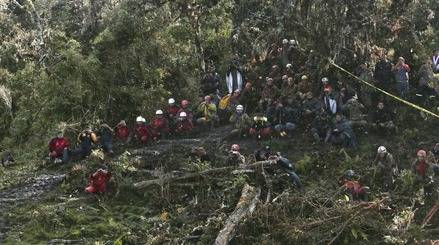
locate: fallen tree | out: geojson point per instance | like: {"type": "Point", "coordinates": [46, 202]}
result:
{"type": "Point", "coordinates": [246, 205]}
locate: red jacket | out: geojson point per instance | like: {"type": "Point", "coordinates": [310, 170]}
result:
{"type": "Point", "coordinates": [354, 187]}
{"type": "Point", "coordinates": [184, 126]}
{"type": "Point", "coordinates": [122, 132]}
{"type": "Point", "coordinates": [58, 145]}
{"type": "Point", "coordinates": [420, 168]}
{"type": "Point", "coordinates": [142, 132]}
{"type": "Point", "coordinates": [188, 113]}
{"type": "Point", "coordinates": [160, 123]}
{"type": "Point", "coordinates": [172, 111]}
{"type": "Point", "coordinates": [97, 182]}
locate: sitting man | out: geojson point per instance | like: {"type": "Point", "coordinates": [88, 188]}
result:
{"type": "Point", "coordinates": [353, 108]}
{"type": "Point", "coordinates": [122, 132]}
{"type": "Point", "coordinates": [86, 140]}
{"type": "Point", "coordinates": [284, 120]}
{"type": "Point", "coordinates": [159, 126]}
{"type": "Point", "coordinates": [287, 166]}
{"type": "Point", "coordinates": [353, 188]}
{"type": "Point", "coordinates": [421, 166]}
{"type": "Point", "coordinates": [235, 157]}
{"type": "Point", "coordinates": [184, 126]}
{"type": "Point", "coordinates": [59, 148]}
{"type": "Point", "coordinates": [172, 110]}
{"type": "Point", "coordinates": [106, 138]}
{"type": "Point", "coordinates": [382, 119]}
{"type": "Point", "coordinates": [260, 128]}
{"type": "Point", "coordinates": [269, 94]}
{"type": "Point", "coordinates": [341, 133]}
{"type": "Point", "coordinates": [241, 121]}
{"type": "Point", "coordinates": [97, 182]}
{"type": "Point", "coordinates": [320, 126]}
{"type": "Point", "coordinates": [207, 110]}
{"type": "Point", "coordinates": [185, 108]}
{"type": "Point", "coordinates": [141, 131]}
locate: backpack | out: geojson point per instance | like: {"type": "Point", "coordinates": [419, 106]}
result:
{"type": "Point", "coordinates": [224, 102]}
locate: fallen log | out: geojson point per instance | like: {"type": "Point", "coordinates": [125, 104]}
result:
{"type": "Point", "coordinates": [167, 178]}
{"type": "Point", "coordinates": [246, 205]}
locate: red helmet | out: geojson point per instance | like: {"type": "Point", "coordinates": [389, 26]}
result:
{"type": "Point", "coordinates": [184, 103]}
{"type": "Point", "coordinates": [421, 153]}
{"type": "Point", "coordinates": [235, 147]}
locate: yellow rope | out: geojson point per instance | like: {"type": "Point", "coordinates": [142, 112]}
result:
{"type": "Point", "coordinates": [384, 92]}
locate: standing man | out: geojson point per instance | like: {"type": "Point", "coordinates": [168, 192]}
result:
{"type": "Point", "coordinates": [401, 71]}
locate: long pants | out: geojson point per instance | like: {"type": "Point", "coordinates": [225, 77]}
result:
{"type": "Point", "coordinates": [285, 127]}
{"type": "Point", "coordinates": [402, 87]}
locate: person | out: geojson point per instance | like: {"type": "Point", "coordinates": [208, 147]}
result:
{"type": "Point", "coordinates": [401, 71]}
{"type": "Point", "coordinates": [326, 86]}
{"type": "Point", "coordinates": [97, 182]}
{"type": "Point", "coordinates": [383, 72]}
{"type": "Point", "coordinates": [172, 110]}
{"type": "Point", "coordinates": [249, 97]}
{"type": "Point", "coordinates": [269, 94]}
{"type": "Point", "coordinates": [185, 108]}
{"type": "Point", "coordinates": [122, 132]}
{"type": "Point", "coordinates": [304, 88]}
{"type": "Point", "coordinates": [427, 80]}
{"type": "Point", "coordinates": [234, 77]}
{"type": "Point", "coordinates": [353, 108]}
{"type": "Point", "coordinates": [386, 166]}
{"type": "Point", "coordinates": [366, 93]}
{"type": "Point", "coordinates": [86, 140]}
{"type": "Point", "coordinates": [200, 154]}
{"type": "Point", "coordinates": [210, 82]}
{"type": "Point", "coordinates": [434, 154]}
{"type": "Point", "coordinates": [320, 126]}
{"type": "Point", "coordinates": [289, 90]}
{"type": "Point", "coordinates": [328, 102]}
{"type": "Point", "coordinates": [235, 157]}
{"type": "Point", "coordinates": [341, 133]}
{"type": "Point", "coordinates": [263, 153]}
{"type": "Point", "coordinates": [284, 120]}
{"type": "Point", "coordinates": [421, 166]}
{"type": "Point", "coordinates": [59, 148]}
{"type": "Point", "coordinates": [184, 126]}
{"type": "Point", "coordinates": [382, 119]}
{"type": "Point", "coordinates": [106, 139]}
{"type": "Point", "coordinates": [159, 125]}
{"type": "Point", "coordinates": [286, 165]}
{"type": "Point", "coordinates": [353, 188]}
{"type": "Point", "coordinates": [435, 61]}
{"type": "Point", "coordinates": [141, 131]}
{"type": "Point", "coordinates": [260, 128]}
{"type": "Point", "coordinates": [208, 112]}
{"type": "Point", "coordinates": [7, 159]}
{"type": "Point", "coordinates": [311, 107]}
{"type": "Point", "coordinates": [242, 122]}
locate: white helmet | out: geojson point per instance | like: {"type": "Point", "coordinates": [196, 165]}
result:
{"type": "Point", "coordinates": [239, 108]}
{"type": "Point", "coordinates": [293, 42]}
{"type": "Point", "coordinates": [285, 41]}
{"type": "Point", "coordinates": [159, 112]}
{"type": "Point", "coordinates": [325, 79]}
{"type": "Point", "coordinates": [382, 149]}
{"type": "Point", "coordinates": [171, 101]}
{"type": "Point", "coordinates": [140, 119]}
{"type": "Point", "coordinates": [183, 114]}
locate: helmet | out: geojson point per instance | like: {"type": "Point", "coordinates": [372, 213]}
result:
{"type": "Point", "coordinates": [349, 174]}
{"type": "Point", "coordinates": [159, 112]}
{"type": "Point", "coordinates": [382, 149]}
{"type": "Point", "coordinates": [207, 97]}
{"type": "Point", "coordinates": [421, 153]}
{"type": "Point", "coordinates": [239, 108]}
{"type": "Point", "coordinates": [293, 42]}
{"type": "Point", "coordinates": [289, 66]}
{"type": "Point", "coordinates": [325, 79]}
{"type": "Point", "coordinates": [235, 147]}
{"type": "Point", "coordinates": [304, 77]}
{"type": "Point", "coordinates": [285, 41]}
{"type": "Point", "coordinates": [171, 101]}
{"type": "Point", "coordinates": [183, 114]}
{"type": "Point", "coordinates": [140, 119]}
{"type": "Point", "coordinates": [184, 102]}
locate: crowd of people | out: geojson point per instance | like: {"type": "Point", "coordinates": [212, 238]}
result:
{"type": "Point", "coordinates": [289, 101]}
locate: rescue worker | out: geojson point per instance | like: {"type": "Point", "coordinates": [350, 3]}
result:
{"type": "Point", "coordinates": [401, 71]}
{"type": "Point", "coordinates": [386, 166]}
{"type": "Point", "coordinates": [341, 133]}
{"type": "Point", "coordinates": [311, 106]}
{"type": "Point", "coordinates": [320, 126]}
{"type": "Point", "coordinates": [329, 103]}
{"type": "Point", "coordinates": [353, 108]}
{"type": "Point", "coordinates": [284, 120]}
{"type": "Point", "coordinates": [249, 97]}
{"type": "Point", "coordinates": [260, 128]}
{"type": "Point", "coordinates": [383, 72]}
{"type": "Point", "coordinates": [263, 153]}
{"type": "Point", "coordinates": [106, 139]}
{"type": "Point", "coordinates": [86, 140]}
{"type": "Point", "coordinates": [207, 111]}
{"type": "Point", "coordinates": [184, 126]}
{"type": "Point", "coordinates": [242, 122]}
{"type": "Point", "coordinates": [287, 166]}
{"type": "Point", "coordinates": [122, 132]}
{"type": "Point", "coordinates": [235, 157]}
{"type": "Point", "coordinates": [200, 154]}
{"type": "Point", "coordinates": [172, 110]}
{"type": "Point", "coordinates": [97, 182]}
{"type": "Point", "coordinates": [289, 90]}
{"type": "Point", "coordinates": [353, 188]}
{"type": "Point", "coordinates": [269, 94]}
{"type": "Point", "coordinates": [141, 131]}
{"type": "Point", "coordinates": [59, 148]}
{"type": "Point", "coordinates": [159, 126]}
{"type": "Point", "coordinates": [421, 166]}
{"type": "Point", "coordinates": [185, 108]}
{"type": "Point", "coordinates": [304, 88]}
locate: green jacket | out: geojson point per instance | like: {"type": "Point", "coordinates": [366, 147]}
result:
{"type": "Point", "coordinates": [241, 122]}
{"type": "Point", "coordinates": [207, 111]}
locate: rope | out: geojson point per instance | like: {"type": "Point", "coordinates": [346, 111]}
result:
{"type": "Point", "coordinates": [385, 92]}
